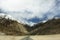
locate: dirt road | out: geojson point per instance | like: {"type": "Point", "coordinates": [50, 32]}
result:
{"type": "Point", "coordinates": [39, 37]}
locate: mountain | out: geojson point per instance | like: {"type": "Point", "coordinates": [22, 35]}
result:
{"type": "Point", "coordinates": [13, 27]}
{"type": "Point", "coordinates": [50, 27]}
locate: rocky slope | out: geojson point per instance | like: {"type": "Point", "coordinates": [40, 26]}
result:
{"type": "Point", "coordinates": [12, 27]}
{"type": "Point", "coordinates": [50, 27]}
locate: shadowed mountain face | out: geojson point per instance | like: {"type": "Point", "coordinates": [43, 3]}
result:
{"type": "Point", "coordinates": [50, 27]}
{"type": "Point", "coordinates": [12, 27]}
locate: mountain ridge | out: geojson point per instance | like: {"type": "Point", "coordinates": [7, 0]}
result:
{"type": "Point", "coordinates": [12, 27]}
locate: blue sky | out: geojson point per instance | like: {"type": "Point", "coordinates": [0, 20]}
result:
{"type": "Point", "coordinates": [30, 11]}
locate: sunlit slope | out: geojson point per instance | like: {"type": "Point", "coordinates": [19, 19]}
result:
{"type": "Point", "coordinates": [11, 27]}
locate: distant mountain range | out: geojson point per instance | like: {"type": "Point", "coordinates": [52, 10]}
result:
{"type": "Point", "coordinates": [12, 27]}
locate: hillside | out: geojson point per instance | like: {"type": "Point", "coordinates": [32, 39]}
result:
{"type": "Point", "coordinates": [50, 27]}
{"type": "Point", "coordinates": [12, 27]}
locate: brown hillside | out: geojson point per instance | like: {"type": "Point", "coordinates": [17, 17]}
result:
{"type": "Point", "coordinates": [11, 27]}
{"type": "Point", "coordinates": [50, 27]}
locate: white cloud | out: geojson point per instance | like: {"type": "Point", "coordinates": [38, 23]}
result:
{"type": "Point", "coordinates": [27, 9]}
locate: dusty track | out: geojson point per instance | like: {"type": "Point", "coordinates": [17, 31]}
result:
{"type": "Point", "coordinates": [39, 37]}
